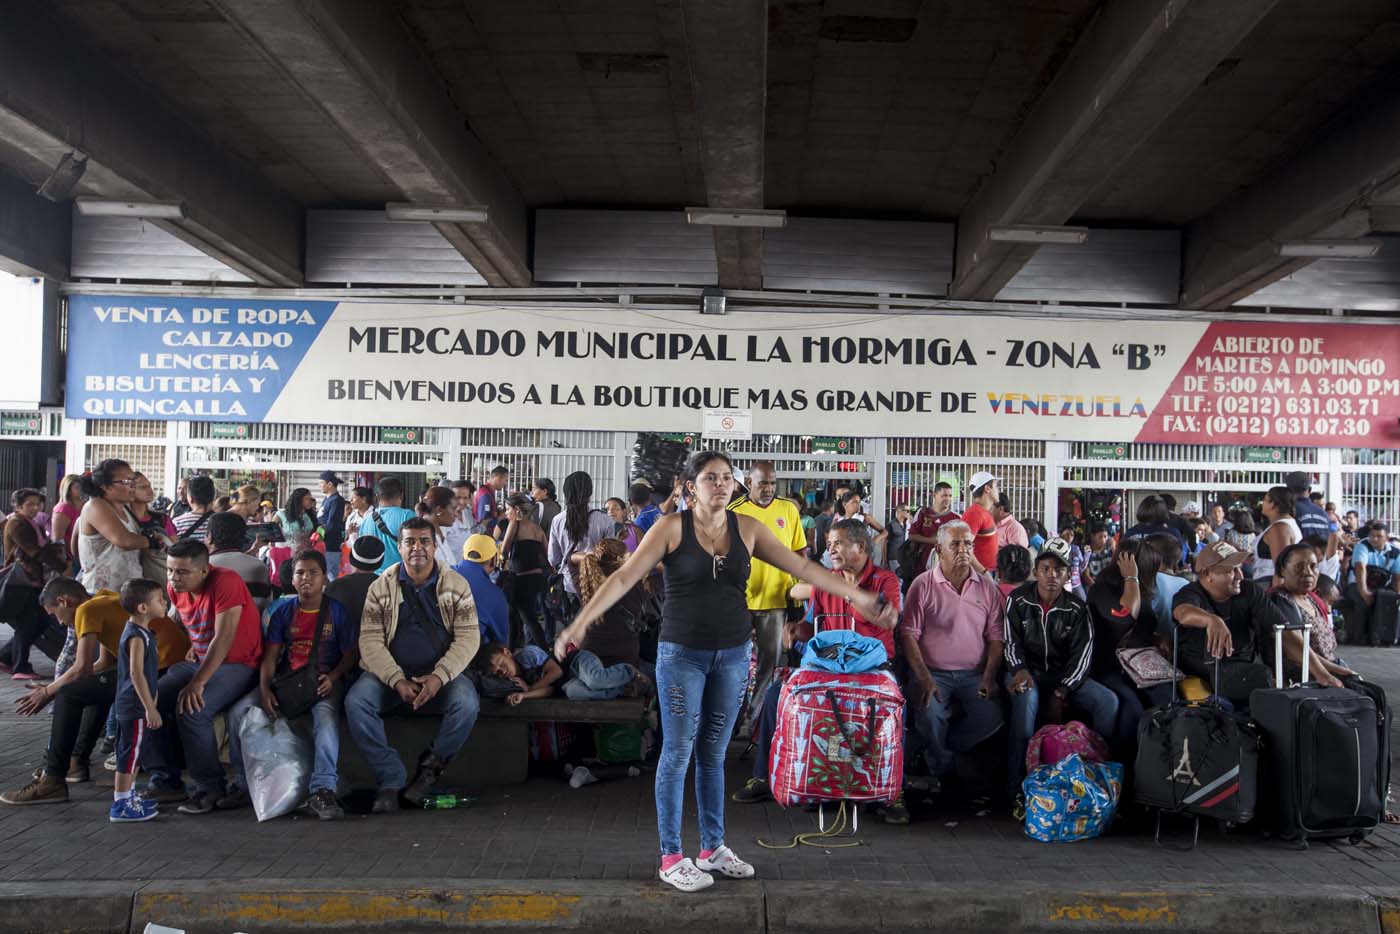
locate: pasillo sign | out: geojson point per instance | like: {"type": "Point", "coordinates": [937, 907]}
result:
{"type": "Point", "coordinates": [1119, 381]}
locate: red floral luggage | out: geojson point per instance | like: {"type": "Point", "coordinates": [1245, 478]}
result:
{"type": "Point", "coordinates": [840, 737]}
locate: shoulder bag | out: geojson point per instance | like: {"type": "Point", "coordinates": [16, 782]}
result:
{"type": "Point", "coordinates": [296, 690]}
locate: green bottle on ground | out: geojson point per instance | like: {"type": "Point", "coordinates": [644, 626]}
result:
{"type": "Point", "coordinates": [447, 802]}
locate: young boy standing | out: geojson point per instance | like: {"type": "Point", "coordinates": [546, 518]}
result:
{"type": "Point", "coordinates": [135, 706]}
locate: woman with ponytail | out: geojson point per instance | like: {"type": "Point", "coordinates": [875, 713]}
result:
{"type": "Point", "coordinates": [574, 531]}
{"type": "Point", "coordinates": [606, 663]}
{"type": "Point", "coordinates": [110, 542]}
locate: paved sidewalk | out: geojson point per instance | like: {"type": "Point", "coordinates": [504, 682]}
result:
{"type": "Point", "coordinates": [545, 830]}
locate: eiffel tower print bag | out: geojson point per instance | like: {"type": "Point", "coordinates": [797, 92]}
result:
{"type": "Point", "coordinates": [1198, 759]}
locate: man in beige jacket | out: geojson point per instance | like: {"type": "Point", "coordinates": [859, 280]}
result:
{"type": "Point", "coordinates": [417, 636]}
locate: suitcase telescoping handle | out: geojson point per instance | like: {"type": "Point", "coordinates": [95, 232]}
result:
{"type": "Point", "coordinates": [1279, 630]}
{"type": "Point", "coordinates": [1176, 682]}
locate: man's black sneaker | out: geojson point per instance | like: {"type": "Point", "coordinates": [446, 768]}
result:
{"type": "Point", "coordinates": [235, 798]}
{"type": "Point", "coordinates": [754, 791]}
{"type": "Point", "coordinates": [386, 801]}
{"type": "Point", "coordinates": [324, 805]}
{"type": "Point", "coordinates": [201, 802]}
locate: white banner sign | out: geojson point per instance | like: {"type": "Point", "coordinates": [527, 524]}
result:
{"type": "Point", "coordinates": [851, 374]}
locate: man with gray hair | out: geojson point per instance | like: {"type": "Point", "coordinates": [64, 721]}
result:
{"type": "Point", "coordinates": [951, 635]}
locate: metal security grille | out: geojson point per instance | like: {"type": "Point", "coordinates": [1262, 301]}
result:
{"type": "Point", "coordinates": [531, 454]}
{"type": "Point", "coordinates": [914, 465]}
{"type": "Point", "coordinates": [1212, 454]}
{"type": "Point", "coordinates": [1370, 484]}
{"type": "Point", "coordinates": [147, 458]}
{"type": "Point", "coordinates": [125, 428]}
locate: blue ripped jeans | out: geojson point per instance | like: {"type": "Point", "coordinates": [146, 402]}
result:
{"type": "Point", "coordinates": [699, 693]}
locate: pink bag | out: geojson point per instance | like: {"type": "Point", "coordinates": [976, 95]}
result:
{"type": "Point", "coordinates": [1058, 741]}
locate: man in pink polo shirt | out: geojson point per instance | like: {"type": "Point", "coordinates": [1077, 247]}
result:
{"type": "Point", "coordinates": [951, 635]}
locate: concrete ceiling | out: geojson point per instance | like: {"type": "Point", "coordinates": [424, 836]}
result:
{"type": "Point", "coordinates": [1135, 113]}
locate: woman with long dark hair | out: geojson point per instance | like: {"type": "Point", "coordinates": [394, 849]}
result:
{"type": "Point", "coordinates": [298, 519]}
{"type": "Point", "coordinates": [702, 657]}
{"type": "Point", "coordinates": [1282, 532]}
{"type": "Point", "coordinates": [526, 548]}
{"type": "Point", "coordinates": [156, 526]}
{"type": "Point", "coordinates": [1120, 606]}
{"type": "Point", "coordinates": [574, 531]}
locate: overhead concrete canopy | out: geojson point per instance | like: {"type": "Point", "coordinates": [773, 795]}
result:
{"type": "Point", "coordinates": [1236, 124]}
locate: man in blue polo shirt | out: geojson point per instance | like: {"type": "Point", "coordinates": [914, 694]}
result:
{"type": "Point", "coordinates": [386, 518]}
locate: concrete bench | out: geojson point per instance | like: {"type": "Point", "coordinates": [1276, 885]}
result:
{"type": "Point", "coordinates": [498, 751]}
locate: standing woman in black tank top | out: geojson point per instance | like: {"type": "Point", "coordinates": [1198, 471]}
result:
{"type": "Point", "coordinates": [702, 658]}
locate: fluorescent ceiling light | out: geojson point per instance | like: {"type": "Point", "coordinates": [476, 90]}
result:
{"type": "Point", "coordinates": [1031, 233]}
{"type": "Point", "coordinates": [437, 213]}
{"type": "Point", "coordinates": [103, 207]}
{"type": "Point", "coordinates": [1333, 249]}
{"type": "Point", "coordinates": [735, 217]}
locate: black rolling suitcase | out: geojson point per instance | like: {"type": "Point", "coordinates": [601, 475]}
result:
{"type": "Point", "coordinates": [1323, 756]}
{"type": "Point", "coordinates": [1385, 617]}
{"type": "Point", "coordinates": [1196, 760]}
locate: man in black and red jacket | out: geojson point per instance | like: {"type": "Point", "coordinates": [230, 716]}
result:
{"type": "Point", "coordinates": [1049, 647]}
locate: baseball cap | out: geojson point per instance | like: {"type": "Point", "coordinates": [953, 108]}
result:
{"type": "Point", "coordinates": [1297, 481]}
{"type": "Point", "coordinates": [1056, 548]}
{"type": "Point", "coordinates": [367, 553]}
{"type": "Point", "coordinates": [1219, 554]}
{"type": "Point", "coordinates": [981, 479]}
{"type": "Point", "coordinates": [1192, 508]}
{"type": "Point", "coordinates": [328, 476]}
{"type": "Point", "coordinates": [479, 548]}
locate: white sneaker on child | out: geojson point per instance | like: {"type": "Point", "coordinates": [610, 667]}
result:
{"type": "Point", "coordinates": [684, 876]}
{"type": "Point", "coordinates": [725, 862]}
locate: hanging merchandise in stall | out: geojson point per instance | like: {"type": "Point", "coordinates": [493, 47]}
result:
{"type": "Point", "coordinates": [941, 375]}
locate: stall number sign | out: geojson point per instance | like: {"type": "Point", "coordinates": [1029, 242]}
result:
{"type": "Point", "coordinates": [1108, 451]}
{"type": "Point", "coordinates": [839, 445]}
{"type": "Point", "coordinates": [1263, 455]}
{"type": "Point", "coordinates": [400, 435]}
{"type": "Point", "coordinates": [227, 430]}
{"type": "Point", "coordinates": [729, 424]}
{"type": "Point", "coordinates": [20, 424]}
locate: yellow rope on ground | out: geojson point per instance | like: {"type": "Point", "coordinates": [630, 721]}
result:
{"type": "Point", "coordinates": [818, 837]}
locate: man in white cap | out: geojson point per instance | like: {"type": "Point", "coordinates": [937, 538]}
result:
{"type": "Point", "coordinates": [984, 490]}
{"type": "Point", "coordinates": [492, 610]}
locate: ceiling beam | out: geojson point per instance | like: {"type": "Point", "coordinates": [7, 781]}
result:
{"type": "Point", "coordinates": [1136, 63]}
{"type": "Point", "coordinates": [35, 234]}
{"type": "Point", "coordinates": [58, 96]}
{"type": "Point", "coordinates": [1342, 186]}
{"type": "Point", "coordinates": [359, 64]}
{"type": "Point", "coordinates": [726, 45]}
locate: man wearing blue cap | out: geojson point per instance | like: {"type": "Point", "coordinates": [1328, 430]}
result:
{"type": "Point", "coordinates": [332, 521]}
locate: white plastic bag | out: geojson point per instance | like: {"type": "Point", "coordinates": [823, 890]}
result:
{"type": "Point", "coordinates": [277, 761]}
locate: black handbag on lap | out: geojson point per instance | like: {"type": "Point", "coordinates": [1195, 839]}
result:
{"type": "Point", "coordinates": [296, 690]}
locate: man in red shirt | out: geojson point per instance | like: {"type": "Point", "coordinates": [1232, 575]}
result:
{"type": "Point", "coordinates": [929, 520]}
{"type": "Point", "coordinates": [848, 545]}
{"type": "Point", "coordinates": [219, 614]}
{"type": "Point", "coordinates": [985, 492]}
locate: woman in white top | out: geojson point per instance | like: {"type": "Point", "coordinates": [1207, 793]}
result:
{"type": "Point", "coordinates": [109, 539]}
{"type": "Point", "coordinates": [442, 513]}
{"type": "Point", "coordinates": [1281, 532]}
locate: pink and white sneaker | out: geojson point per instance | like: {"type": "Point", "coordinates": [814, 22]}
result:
{"type": "Point", "coordinates": [724, 862]}
{"type": "Point", "coordinates": [684, 876]}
